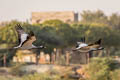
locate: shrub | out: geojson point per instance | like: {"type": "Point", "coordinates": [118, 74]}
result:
{"type": "Point", "coordinates": [115, 75]}
{"type": "Point", "coordinates": [100, 69]}
{"type": "Point", "coordinates": [43, 76]}
{"type": "Point", "coordinates": [8, 78]}
{"type": "Point", "coordinates": [17, 69]}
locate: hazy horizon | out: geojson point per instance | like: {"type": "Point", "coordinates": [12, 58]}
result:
{"type": "Point", "coordinates": [21, 9]}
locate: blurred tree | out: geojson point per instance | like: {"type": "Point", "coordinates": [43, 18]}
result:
{"type": "Point", "coordinates": [114, 21]}
{"type": "Point", "coordinates": [57, 34]}
{"type": "Point", "coordinates": [55, 23]}
{"type": "Point", "coordinates": [94, 17]}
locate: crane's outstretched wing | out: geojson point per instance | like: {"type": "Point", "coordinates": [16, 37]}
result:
{"type": "Point", "coordinates": [30, 39]}
{"type": "Point", "coordinates": [97, 42]}
{"type": "Point", "coordinates": [21, 33]}
{"type": "Point", "coordinates": [81, 44]}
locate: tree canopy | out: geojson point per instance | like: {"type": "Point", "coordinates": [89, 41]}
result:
{"type": "Point", "coordinates": [57, 34]}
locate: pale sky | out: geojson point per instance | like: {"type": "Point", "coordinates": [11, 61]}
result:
{"type": "Point", "coordinates": [21, 9]}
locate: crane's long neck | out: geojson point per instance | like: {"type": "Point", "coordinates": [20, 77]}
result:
{"type": "Point", "coordinates": [37, 46]}
{"type": "Point", "coordinates": [41, 46]}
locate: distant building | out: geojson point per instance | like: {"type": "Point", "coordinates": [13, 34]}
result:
{"type": "Point", "coordinates": [65, 16]}
{"type": "Point", "coordinates": [28, 56]}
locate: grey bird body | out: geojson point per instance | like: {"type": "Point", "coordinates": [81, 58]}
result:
{"type": "Point", "coordinates": [90, 47]}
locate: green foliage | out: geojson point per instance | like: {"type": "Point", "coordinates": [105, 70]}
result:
{"type": "Point", "coordinates": [101, 69]}
{"type": "Point", "coordinates": [7, 33]}
{"type": "Point", "coordinates": [114, 21]}
{"type": "Point", "coordinates": [115, 75]}
{"type": "Point", "coordinates": [57, 34]}
{"type": "Point", "coordinates": [54, 23]}
{"type": "Point", "coordinates": [43, 76]}
{"type": "Point", "coordinates": [36, 76]}
{"type": "Point", "coordinates": [8, 78]}
{"type": "Point", "coordinates": [99, 17]}
{"type": "Point", "coordinates": [96, 17]}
